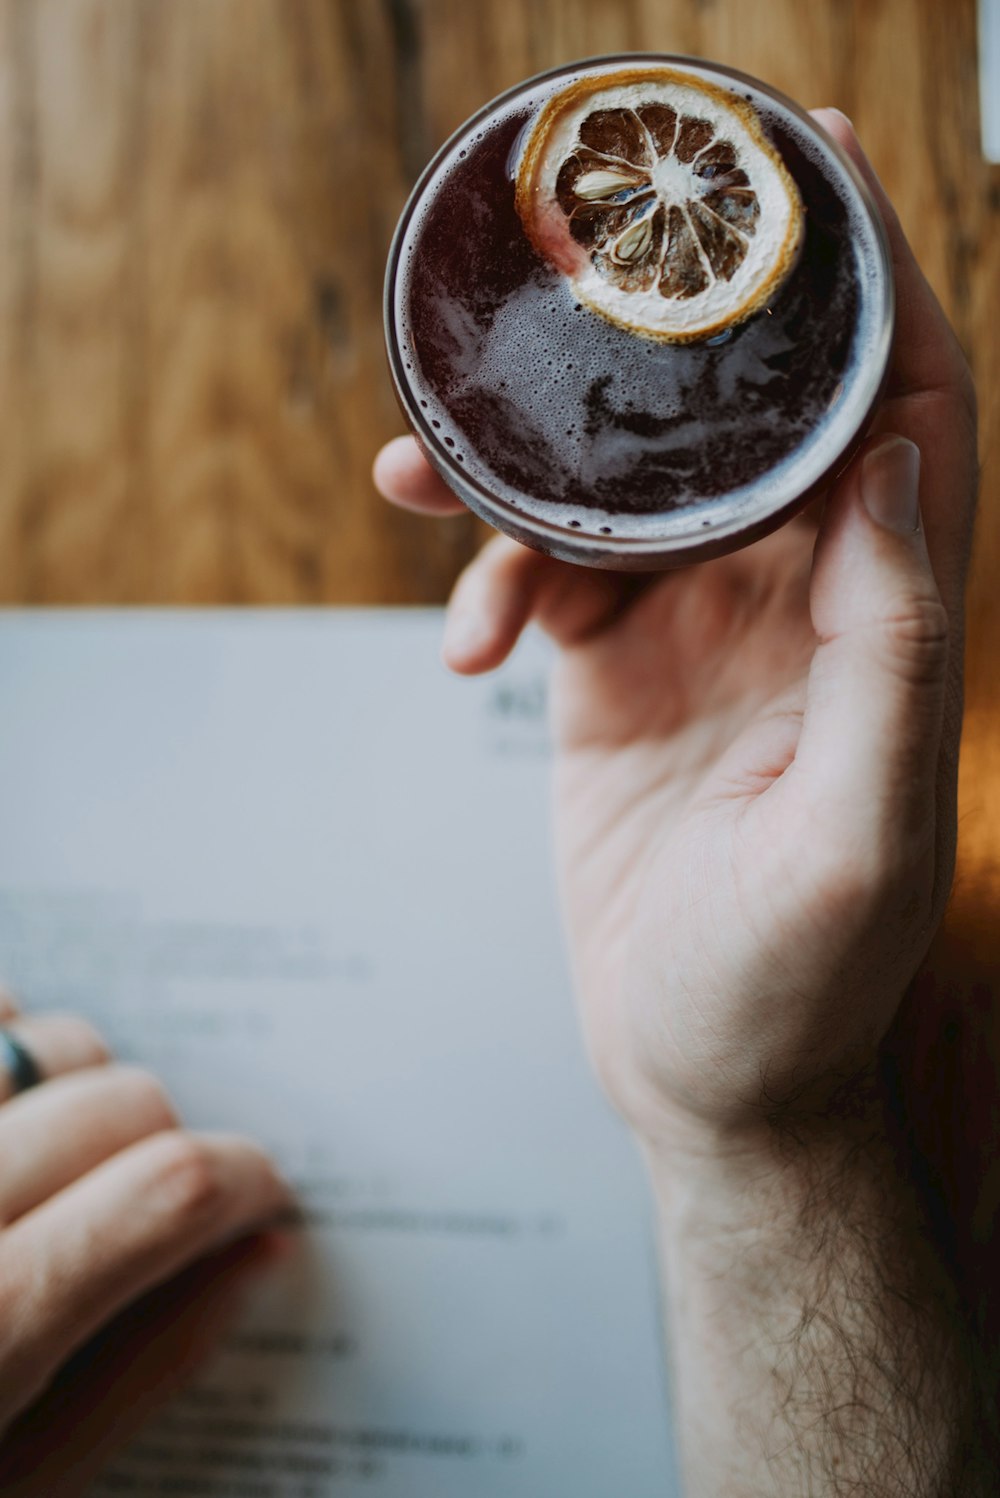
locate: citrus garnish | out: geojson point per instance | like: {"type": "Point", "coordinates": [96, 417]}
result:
{"type": "Point", "coordinates": [660, 198]}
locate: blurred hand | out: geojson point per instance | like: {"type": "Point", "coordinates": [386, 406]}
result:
{"type": "Point", "coordinates": [756, 759]}
{"type": "Point", "coordinates": [123, 1240]}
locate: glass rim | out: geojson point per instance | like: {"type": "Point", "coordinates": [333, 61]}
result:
{"type": "Point", "coordinates": [649, 551]}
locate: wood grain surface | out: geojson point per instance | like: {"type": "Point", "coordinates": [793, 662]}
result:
{"type": "Point", "coordinates": [196, 197]}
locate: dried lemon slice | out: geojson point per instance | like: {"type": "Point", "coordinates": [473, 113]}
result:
{"type": "Point", "coordinates": [660, 198]}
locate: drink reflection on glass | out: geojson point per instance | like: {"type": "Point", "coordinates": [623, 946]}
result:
{"type": "Point", "coordinates": [639, 310]}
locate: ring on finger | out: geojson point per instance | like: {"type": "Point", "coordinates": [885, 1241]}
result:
{"type": "Point", "coordinates": [20, 1065]}
{"type": "Point", "coordinates": [56, 1043]}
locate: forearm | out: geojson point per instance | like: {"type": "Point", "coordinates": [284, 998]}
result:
{"type": "Point", "coordinates": [818, 1344]}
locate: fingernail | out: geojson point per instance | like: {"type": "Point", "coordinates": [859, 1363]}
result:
{"type": "Point", "coordinates": [465, 635]}
{"type": "Point", "coordinates": [832, 109]}
{"type": "Point", "coordinates": [890, 485]}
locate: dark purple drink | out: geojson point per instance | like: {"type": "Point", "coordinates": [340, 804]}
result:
{"type": "Point", "coordinates": [589, 441]}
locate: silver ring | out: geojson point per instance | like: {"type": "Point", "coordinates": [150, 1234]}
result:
{"type": "Point", "coordinates": [20, 1065]}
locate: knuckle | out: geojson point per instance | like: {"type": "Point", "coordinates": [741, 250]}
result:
{"type": "Point", "coordinates": [87, 1041]}
{"type": "Point", "coordinates": [915, 640]}
{"type": "Point", "coordinates": [145, 1098]}
{"type": "Point", "coordinates": [186, 1178]}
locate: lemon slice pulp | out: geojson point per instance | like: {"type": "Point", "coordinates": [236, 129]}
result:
{"type": "Point", "coordinates": [659, 197]}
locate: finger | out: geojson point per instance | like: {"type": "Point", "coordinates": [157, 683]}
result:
{"type": "Point", "coordinates": [119, 1380]}
{"type": "Point", "coordinates": [927, 356]}
{"type": "Point", "coordinates": [58, 1043]}
{"type": "Point", "coordinates": [72, 1264]}
{"type": "Point", "coordinates": [931, 400]}
{"type": "Point", "coordinates": [507, 585]}
{"type": "Point", "coordinates": [9, 1008]}
{"type": "Point", "coordinates": [811, 517]}
{"type": "Point", "coordinates": [53, 1135]}
{"type": "Point", "coordinates": [403, 476]}
{"type": "Point", "coordinates": [866, 763]}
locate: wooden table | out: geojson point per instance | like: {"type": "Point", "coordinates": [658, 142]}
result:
{"type": "Point", "coordinates": [195, 202]}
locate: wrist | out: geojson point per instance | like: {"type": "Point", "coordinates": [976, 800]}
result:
{"type": "Point", "coordinates": [814, 1327]}
{"type": "Point", "coordinates": [768, 1160]}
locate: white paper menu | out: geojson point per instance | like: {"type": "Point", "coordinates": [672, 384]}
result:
{"type": "Point", "coordinates": [289, 863]}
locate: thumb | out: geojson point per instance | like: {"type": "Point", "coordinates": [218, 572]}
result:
{"type": "Point", "coordinates": [874, 706]}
